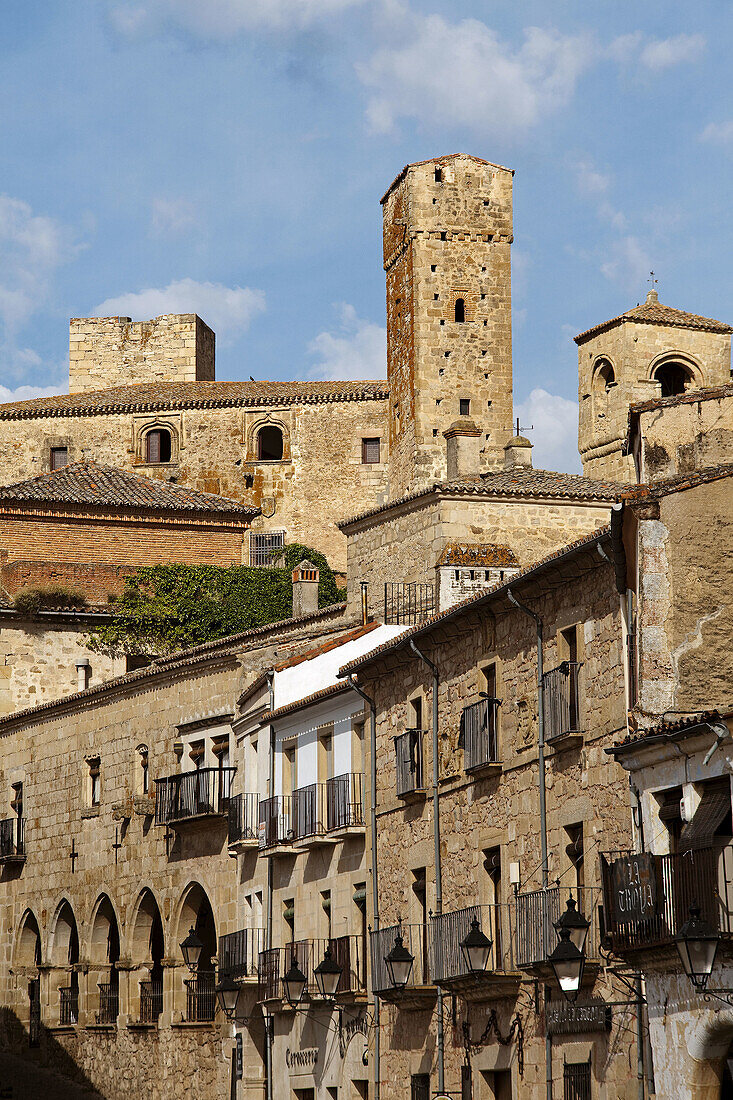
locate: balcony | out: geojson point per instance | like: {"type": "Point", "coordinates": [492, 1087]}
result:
{"type": "Point", "coordinates": [310, 816]}
{"type": "Point", "coordinates": [479, 737]}
{"type": "Point", "coordinates": [408, 603]}
{"type": "Point", "coordinates": [275, 827]}
{"type": "Point", "coordinates": [562, 706]}
{"type": "Point", "coordinates": [420, 991]}
{"type": "Point", "coordinates": [201, 998]}
{"type": "Point", "coordinates": [12, 840]}
{"type": "Point", "coordinates": [535, 915]}
{"type": "Point", "coordinates": [243, 821]}
{"type": "Point", "coordinates": [345, 805]}
{"type": "Point", "coordinates": [448, 966]}
{"type": "Point", "coordinates": [647, 898]}
{"type": "Point", "coordinates": [239, 953]}
{"type": "Point", "coordinates": [409, 764]}
{"type": "Point", "coordinates": [68, 1006]}
{"type": "Point", "coordinates": [151, 1002]}
{"type": "Point", "coordinates": [347, 951]}
{"type": "Point", "coordinates": [191, 796]}
{"type": "Point", "coordinates": [109, 1003]}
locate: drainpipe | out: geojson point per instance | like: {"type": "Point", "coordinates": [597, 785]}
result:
{"type": "Point", "coordinates": [269, 1018]}
{"type": "Point", "coordinates": [436, 837]}
{"type": "Point", "coordinates": [543, 791]}
{"type": "Point", "coordinates": [375, 878]}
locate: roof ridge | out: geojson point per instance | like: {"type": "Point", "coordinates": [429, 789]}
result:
{"type": "Point", "coordinates": [654, 312]}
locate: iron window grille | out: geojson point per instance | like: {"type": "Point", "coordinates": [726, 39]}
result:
{"type": "Point", "coordinates": [264, 548]}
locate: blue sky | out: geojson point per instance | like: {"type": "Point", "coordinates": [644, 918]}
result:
{"type": "Point", "coordinates": [228, 157]}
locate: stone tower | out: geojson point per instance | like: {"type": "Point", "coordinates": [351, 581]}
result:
{"type": "Point", "coordinates": [650, 351]}
{"type": "Point", "coordinates": [447, 240]}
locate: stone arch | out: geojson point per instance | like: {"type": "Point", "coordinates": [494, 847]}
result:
{"type": "Point", "coordinates": [104, 954]}
{"type": "Point", "coordinates": [677, 372]}
{"type": "Point", "coordinates": [142, 442]}
{"type": "Point", "coordinates": [63, 954]}
{"type": "Point", "coordinates": [708, 1046]}
{"type": "Point", "coordinates": [253, 436]}
{"type": "Point", "coordinates": [461, 302]}
{"type": "Point", "coordinates": [147, 950]}
{"type": "Point", "coordinates": [194, 911]}
{"type": "Point", "coordinates": [28, 941]}
{"type": "Point", "coordinates": [603, 383]}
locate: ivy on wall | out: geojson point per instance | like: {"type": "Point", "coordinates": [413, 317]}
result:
{"type": "Point", "coordinates": [169, 607]}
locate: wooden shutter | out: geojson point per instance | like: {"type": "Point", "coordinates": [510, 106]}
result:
{"type": "Point", "coordinates": [152, 447]}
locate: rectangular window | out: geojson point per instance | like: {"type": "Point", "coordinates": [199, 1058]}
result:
{"type": "Point", "coordinates": [499, 1083]}
{"type": "Point", "coordinates": [144, 772]}
{"type": "Point", "coordinates": [576, 1077]}
{"type": "Point", "coordinates": [575, 854]}
{"type": "Point", "coordinates": [59, 457]}
{"type": "Point", "coordinates": [262, 548]}
{"type": "Point", "coordinates": [495, 897]}
{"type": "Point", "coordinates": [94, 780]}
{"type": "Point", "coordinates": [420, 1086]}
{"type": "Point", "coordinates": [465, 406]}
{"type": "Point", "coordinates": [370, 451]}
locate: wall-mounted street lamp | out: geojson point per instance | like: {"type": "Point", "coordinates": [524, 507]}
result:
{"type": "Point", "coordinates": [227, 995]}
{"type": "Point", "coordinates": [697, 944]}
{"type": "Point", "coordinates": [476, 948]}
{"type": "Point", "coordinates": [399, 963]}
{"type": "Point", "coordinates": [576, 924]}
{"type": "Point", "coordinates": [191, 949]}
{"type": "Point", "coordinates": [568, 958]}
{"type": "Point", "coordinates": [294, 983]}
{"type": "Point", "coordinates": [328, 975]}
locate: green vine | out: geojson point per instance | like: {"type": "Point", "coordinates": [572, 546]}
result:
{"type": "Point", "coordinates": [169, 607]}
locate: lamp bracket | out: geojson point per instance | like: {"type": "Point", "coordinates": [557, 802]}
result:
{"type": "Point", "coordinates": [723, 995]}
{"type": "Point", "coordinates": [492, 1026]}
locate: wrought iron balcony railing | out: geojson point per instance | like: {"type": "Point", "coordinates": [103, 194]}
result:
{"type": "Point", "coordinates": [276, 821]}
{"type": "Point", "coordinates": [344, 802]}
{"type": "Point", "coordinates": [109, 1003]}
{"type": "Point", "coordinates": [68, 1005]}
{"type": "Point", "coordinates": [447, 963]}
{"type": "Point", "coordinates": [647, 898]}
{"type": "Point", "coordinates": [535, 914]}
{"type": "Point", "coordinates": [151, 1002]}
{"type": "Point", "coordinates": [408, 603]}
{"type": "Point", "coordinates": [201, 998]}
{"type": "Point", "coordinates": [346, 951]}
{"type": "Point", "coordinates": [12, 840]}
{"type": "Point", "coordinates": [409, 762]}
{"type": "Point", "coordinates": [239, 952]}
{"type": "Point", "coordinates": [562, 701]}
{"type": "Point", "coordinates": [479, 735]}
{"type": "Point", "coordinates": [416, 939]}
{"type": "Point", "coordinates": [204, 792]}
{"type": "Point", "coordinates": [243, 818]}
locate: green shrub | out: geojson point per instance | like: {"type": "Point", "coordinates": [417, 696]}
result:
{"type": "Point", "coordinates": [29, 601]}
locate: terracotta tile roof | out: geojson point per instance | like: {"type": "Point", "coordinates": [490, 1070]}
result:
{"type": "Point", "coordinates": [538, 568]}
{"type": "Point", "coordinates": [666, 729]}
{"type": "Point", "coordinates": [439, 160]}
{"type": "Point", "coordinates": [652, 312]}
{"type": "Point", "coordinates": [154, 396]}
{"type": "Point", "coordinates": [480, 554]}
{"type": "Point", "coordinates": [307, 701]}
{"type": "Point", "coordinates": [639, 493]}
{"type": "Point", "coordinates": [86, 483]}
{"type": "Point", "coordinates": [518, 481]}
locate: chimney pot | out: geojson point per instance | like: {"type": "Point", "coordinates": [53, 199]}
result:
{"type": "Point", "coordinates": [463, 442]}
{"type": "Point", "coordinates": [517, 452]}
{"type": "Point", "coordinates": [305, 589]}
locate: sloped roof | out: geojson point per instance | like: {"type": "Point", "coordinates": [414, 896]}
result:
{"type": "Point", "coordinates": [652, 312]}
{"type": "Point", "coordinates": [667, 729]}
{"type": "Point", "coordinates": [154, 396]}
{"type": "Point", "coordinates": [440, 160]}
{"type": "Point", "coordinates": [639, 493]}
{"type": "Point", "coordinates": [481, 554]}
{"type": "Point", "coordinates": [86, 483]}
{"type": "Point", "coordinates": [518, 481]}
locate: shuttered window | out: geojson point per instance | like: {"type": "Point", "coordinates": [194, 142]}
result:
{"type": "Point", "coordinates": [158, 446]}
{"type": "Point", "coordinates": [370, 451]}
{"type": "Point", "coordinates": [59, 457]}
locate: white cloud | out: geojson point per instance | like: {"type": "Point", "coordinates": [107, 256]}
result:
{"type": "Point", "coordinates": [229, 310]}
{"type": "Point", "coordinates": [222, 18]}
{"type": "Point", "coordinates": [357, 350]}
{"type": "Point", "coordinates": [32, 247]}
{"type": "Point", "coordinates": [554, 433]}
{"type": "Point", "coordinates": [27, 393]}
{"type": "Point", "coordinates": [663, 53]}
{"type": "Point", "coordinates": [628, 264]}
{"type": "Point", "coordinates": [444, 73]}
{"type": "Point", "coordinates": [170, 217]}
{"type": "Point", "coordinates": [718, 133]}
{"type": "Point", "coordinates": [595, 185]}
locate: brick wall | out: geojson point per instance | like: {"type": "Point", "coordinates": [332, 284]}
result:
{"type": "Point", "coordinates": [96, 579]}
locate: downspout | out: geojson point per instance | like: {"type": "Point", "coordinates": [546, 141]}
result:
{"type": "Point", "coordinates": [375, 878]}
{"type": "Point", "coordinates": [543, 794]}
{"type": "Point", "coordinates": [269, 1018]}
{"type": "Point", "coordinates": [436, 838]}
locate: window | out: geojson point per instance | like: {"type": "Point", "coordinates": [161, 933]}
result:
{"type": "Point", "coordinates": [263, 548]}
{"type": "Point", "coordinates": [674, 378]}
{"type": "Point", "coordinates": [605, 377]}
{"type": "Point", "coordinates": [158, 445]}
{"type": "Point", "coordinates": [59, 457]}
{"type": "Point", "coordinates": [574, 852]}
{"type": "Point", "coordinates": [464, 406]}
{"type": "Point", "coordinates": [144, 774]}
{"type": "Point", "coordinates": [420, 1086]}
{"type": "Point", "coordinates": [420, 896]}
{"type": "Point", "coordinates": [414, 713]}
{"type": "Point", "coordinates": [326, 906]}
{"type": "Point", "coordinates": [576, 1077]}
{"type": "Point", "coordinates": [94, 780]}
{"type": "Point", "coordinates": [370, 451]}
{"type": "Point", "coordinates": [289, 917]}
{"type": "Point", "coordinates": [270, 444]}
{"type": "Point", "coordinates": [438, 175]}
{"type": "Point", "coordinates": [500, 1084]}
{"type": "Point", "coordinates": [460, 310]}
{"type": "Point", "coordinates": [492, 867]}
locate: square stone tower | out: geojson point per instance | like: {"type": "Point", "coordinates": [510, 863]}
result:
{"type": "Point", "coordinates": [114, 351]}
{"type": "Point", "coordinates": [650, 351]}
{"type": "Point", "coordinates": [447, 239]}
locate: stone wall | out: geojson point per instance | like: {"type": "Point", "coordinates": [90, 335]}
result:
{"type": "Point", "coordinates": [447, 239]}
{"type": "Point", "coordinates": [114, 351]}
{"type": "Point", "coordinates": [320, 479]}
{"type": "Point", "coordinates": [500, 811]}
{"type": "Point", "coordinates": [681, 435]}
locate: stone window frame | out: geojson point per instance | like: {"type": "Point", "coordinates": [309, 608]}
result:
{"type": "Point", "coordinates": [685, 359]}
{"type": "Point", "coordinates": [51, 442]}
{"type": "Point", "coordinates": [486, 660]}
{"type": "Point", "coordinates": [599, 389]}
{"type": "Point", "coordinates": [142, 770]}
{"type": "Point", "coordinates": [469, 297]}
{"type": "Point", "coordinates": [93, 763]}
{"type": "Point", "coordinates": [142, 426]}
{"type": "Point", "coordinates": [251, 432]}
{"type": "Point", "coordinates": [562, 654]}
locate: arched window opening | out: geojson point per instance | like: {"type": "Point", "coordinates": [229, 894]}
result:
{"type": "Point", "coordinates": [105, 949]}
{"type": "Point", "coordinates": [605, 377]}
{"type": "Point", "coordinates": [65, 953]}
{"type": "Point", "coordinates": [29, 942]}
{"type": "Point", "coordinates": [158, 445]}
{"type": "Point", "coordinates": [197, 913]}
{"type": "Point", "coordinates": [674, 378]}
{"type": "Point", "coordinates": [269, 444]}
{"type": "Point", "coordinates": [460, 312]}
{"type": "Point", "coordinates": [148, 949]}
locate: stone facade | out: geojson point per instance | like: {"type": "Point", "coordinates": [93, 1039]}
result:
{"type": "Point", "coordinates": [620, 363]}
{"type": "Point", "coordinates": [490, 829]}
{"type": "Point", "coordinates": [447, 239]}
{"type": "Point", "coordinates": [114, 351]}
{"type": "Point", "coordinates": [675, 435]}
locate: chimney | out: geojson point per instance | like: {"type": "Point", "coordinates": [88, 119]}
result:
{"type": "Point", "coordinates": [518, 452]}
{"type": "Point", "coordinates": [305, 589]}
{"type": "Point", "coordinates": [463, 440]}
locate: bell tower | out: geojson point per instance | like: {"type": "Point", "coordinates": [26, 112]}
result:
{"type": "Point", "coordinates": [447, 237]}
